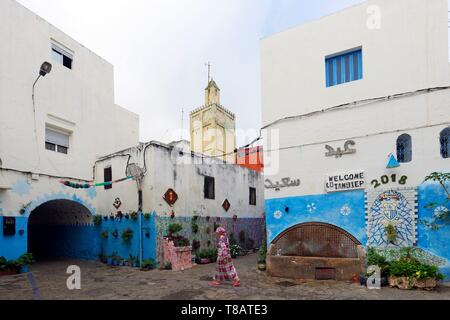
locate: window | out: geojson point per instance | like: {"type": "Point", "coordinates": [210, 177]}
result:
{"type": "Point", "coordinates": [344, 67]}
{"type": "Point", "coordinates": [445, 143]}
{"type": "Point", "coordinates": [209, 188]}
{"type": "Point", "coordinates": [404, 148]}
{"type": "Point", "coordinates": [56, 141]}
{"type": "Point", "coordinates": [107, 175]}
{"type": "Point", "coordinates": [252, 200]}
{"type": "Point", "coordinates": [62, 56]}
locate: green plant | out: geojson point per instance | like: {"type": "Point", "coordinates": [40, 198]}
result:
{"type": "Point", "coordinates": [391, 233]}
{"type": "Point", "coordinates": [441, 217]}
{"type": "Point", "coordinates": [412, 268]}
{"type": "Point", "coordinates": [195, 245]}
{"type": "Point", "coordinates": [97, 220]}
{"type": "Point", "coordinates": [194, 226]}
{"type": "Point", "coordinates": [262, 253]}
{"type": "Point", "coordinates": [232, 240]}
{"type": "Point", "coordinates": [148, 264]}
{"type": "Point", "coordinates": [373, 258]}
{"type": "Point", "coordinates": [26, 259]}
{"type": "Point", "coordinates": [174, 229]}
{"type": "Point", "coordinates": [181, 242]}
{"type": "Point", "coordinates": [147, 216]}
{"type": "Point", "coordinates": [242, 237]}
{"type": "Point", "coordinates": [236, 250]}
{"type": "Point", "coordinates": [104, 234]}
{"type": "Point", "coordinates": [168, 266]}
{"type": "Point", "coordinates": [134, 216]}
{"type": "Point", "coordinates": [127, 235]}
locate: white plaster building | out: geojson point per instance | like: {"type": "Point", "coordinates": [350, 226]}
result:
{"type": "Point", "coordinates": [372, 75]}
{"type": "Point", "coordinates": [72, 122]}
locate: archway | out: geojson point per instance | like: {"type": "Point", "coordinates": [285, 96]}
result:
{"type": "Point", "coordinates": [316, 251]}
{"type": "Point", "coordinates": [62, 229]}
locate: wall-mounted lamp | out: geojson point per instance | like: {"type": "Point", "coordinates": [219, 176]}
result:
{"type": "Point", "coordinates": [46, 68]}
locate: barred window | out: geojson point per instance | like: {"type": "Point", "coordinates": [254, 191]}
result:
{"type": "Point", "coordinates": [445, 143]}
{"type": "Point", "coordinates": [404, 148]}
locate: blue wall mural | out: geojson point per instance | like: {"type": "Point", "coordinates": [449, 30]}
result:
{"type": "Point", "coordinates": [435, 241]}
{"type": "Point", "coordinates": [345, 210]}
{"type": "Point", "coordinates": [12, 247]}
{"type": "Point", "coordinates": [117, 246]}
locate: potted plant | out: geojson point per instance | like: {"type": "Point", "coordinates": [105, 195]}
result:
{"type": "Point", "coordinates": [24, 262]}
{"type": "Point", "coordinates": [373, 258]}
{"type": "Point", "coordinates": [134, 216]}
{"type": "Point", "coordinates": [148, 264]}
{"type": "Point", "coordinates": [7, 267]}
{"type": "Point", "coordinates": [115, 233]}
{"type": "Point", "coordinates": [127, 235]}
{"type": "Point", "coordinates": [204, 257]}
{"type": "Point", "coordinates": [262, 256]}
{"type": "Point", "coordinates": [174, 229]}
{"type": "Point", "coordinates": [194, 226]}
{"type": "Point", "coordinates": [97, 220]}
{"type": "Point", "coordinates": [235, 251]}
{"type": "Point", "coordinates": [104, 234]}
{"type": "Point", "coordinates": [147, 216]}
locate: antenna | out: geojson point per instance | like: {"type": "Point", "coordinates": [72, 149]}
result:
{"type": "Point", "coordinates": [209, 70]}
{"type": "Point", "coordinates": [182, 123]}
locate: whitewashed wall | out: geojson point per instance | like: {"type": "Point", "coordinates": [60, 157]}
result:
{"type": "Point", "coordinates": [80, 100]}
{"type": "Point", "coordinates": [167, 168]}
{"type": "Point", "coordinates": [408, 53]}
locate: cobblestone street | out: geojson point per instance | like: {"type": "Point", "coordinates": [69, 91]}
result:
{"type": "Point", "coordinates": [99, 282]}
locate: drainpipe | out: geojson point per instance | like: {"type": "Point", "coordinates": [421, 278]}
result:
{"type": "Point", "coordinates": [141, 244]}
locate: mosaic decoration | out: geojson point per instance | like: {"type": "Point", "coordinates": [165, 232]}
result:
{"type": "Point", "coordinates": [397, 208]}
{"type": "Point", "coordinates": [440, 211]}
{"type": "Point", "coordinates": [21, 187]}
{"type": "Point", "coordinates": [171, 197]}
{"type": "Point", "coordinates": [394, 254]}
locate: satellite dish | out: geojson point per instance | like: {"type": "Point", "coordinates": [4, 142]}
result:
{"type": "Point", "coordinates": [135, 171]}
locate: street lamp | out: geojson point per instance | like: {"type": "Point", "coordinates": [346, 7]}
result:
{"type": "Point", "coordinates": [45, 69]}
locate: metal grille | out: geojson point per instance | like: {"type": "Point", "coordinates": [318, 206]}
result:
{"type": "Point", "coordinates": [316, 240]}
{"type": "Point", "coordinates": [445, 143]}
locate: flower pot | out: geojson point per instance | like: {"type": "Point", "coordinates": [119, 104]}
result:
{"type": "Point", "coordinates": [109, 261]}
{"type": "Point", "coordinates": [24, 269]}
{"type": "Point", "coordinates": [8, 273]}
{"type": "Point", "coordinates": [205, 261]}
{"type": "Point", "coordinates": [426, 284]}
{"type": "Point", "coordinates": [262, 266]}
{"type": "Point", "coordinates": [403, 283]}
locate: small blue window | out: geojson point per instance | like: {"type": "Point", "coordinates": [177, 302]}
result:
{"type": "Point", "coordinates": [344, 67]}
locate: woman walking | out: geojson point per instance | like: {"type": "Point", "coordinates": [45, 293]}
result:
{"type": "Point", "coordinates": [225, 270]}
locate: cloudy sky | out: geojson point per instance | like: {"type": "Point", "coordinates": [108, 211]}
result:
{"type": "Point", "coordinates": [159, 49]}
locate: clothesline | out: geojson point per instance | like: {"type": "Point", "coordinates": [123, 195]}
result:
{"type": "Point", "coordinates": [75, 185]}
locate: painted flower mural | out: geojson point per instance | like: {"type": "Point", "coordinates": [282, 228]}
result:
{"type": "Point", "coordinates": [346, 211]}
{"type": "Point", "coordinates": [311, 207]}
{"type": "Point", "coordinates": [278, 215]}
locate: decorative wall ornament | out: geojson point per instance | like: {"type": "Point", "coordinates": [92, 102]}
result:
{"type": "Point", "coordinates": [352, 180]}
{"type": "Point", "coordinates": [117, 203]}
{"type": "Point", "coordinates": [391, 210]}
{"type": "Point", "coordinates": [439, 211]}
{"type": "Point", "coordinates": [226, 205]}
{"type": "Point", "coordinates": [346, 211]}
{"type": "Point", "coordinates": [386, 179]}
{"type": "Point", "coordinates": [171, 197]}
{"type": "Point", "coordinates": [278, 215]}
{"type": "Point", "coordinates": [285, 183]}
{"type": "Point", "coordinates": [393, 162]}
{"type": "Point", "coordinates": [311, 207]}
{"type": "Point", "coordinates": [338, 153]}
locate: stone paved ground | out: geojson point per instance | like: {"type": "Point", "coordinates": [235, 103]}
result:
{"type": "Point", "coordinates": [103, 282]}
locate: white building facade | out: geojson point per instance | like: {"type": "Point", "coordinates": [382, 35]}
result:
{"type": "Point", "coordinates": [57, 134]}
{"type": "Point", "coordinates": [343, 94]}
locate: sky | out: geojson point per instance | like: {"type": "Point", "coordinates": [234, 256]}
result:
{"type": "Point", "coordinates": [159, 49]}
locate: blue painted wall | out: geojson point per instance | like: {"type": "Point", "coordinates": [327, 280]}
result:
{"type": "Point", "coordinates": [344, 209]}
{"type": "Point", "coordinates": [12, 247]}
{"type": "Point", "coordinates": [435, 241]}
{"type": "Point", "coordinates": [113, 245]}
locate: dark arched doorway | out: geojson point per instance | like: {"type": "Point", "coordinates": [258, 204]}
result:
{"type": "Point", "coordinates": [61, 229]}
{"type": "Point", "coordinates": [316, 251]}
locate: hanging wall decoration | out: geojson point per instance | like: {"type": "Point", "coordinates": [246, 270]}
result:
{"type": "Point", "coordinates": [339, 153]}
{"type": "Point", "coordinates": [117, 203]}
{"type": "Point", "coordinates": [226, 205]}
{"type": "Point", "coordinates": [171, 197]}
{"type": "Point", "coordinates": [75, 185]}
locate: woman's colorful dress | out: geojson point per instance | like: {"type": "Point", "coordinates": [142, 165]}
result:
{"type": "Point", "coordinates": [225, 269]}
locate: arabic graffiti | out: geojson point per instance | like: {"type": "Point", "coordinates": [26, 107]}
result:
{"type": "Point", "coordinates": [338, 153]}
{"type": "Point", "coordinates": [285, 183]}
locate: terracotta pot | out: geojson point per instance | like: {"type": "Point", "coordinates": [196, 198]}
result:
{"type": "Point", "coordinates": [426, 284]}
{"type": "Point", "coordinates": [205, 261]}
{"type": "Point", "coordinates": [262, 266]}
{"type": "Point", "coordinates": [403, 283]}
{"type": "Point", "coordinates": [8, 273]}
